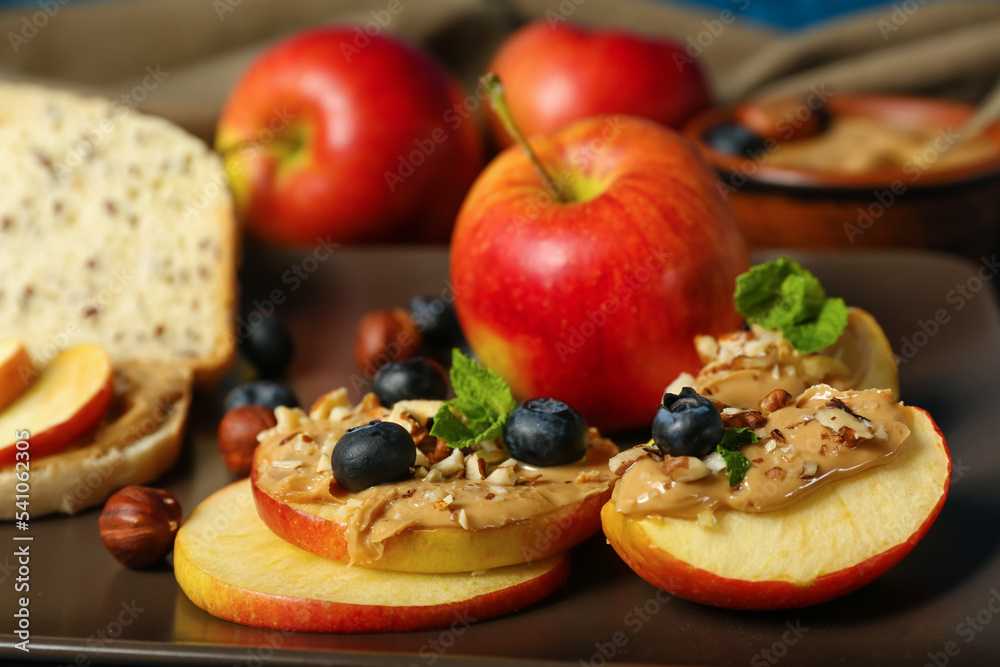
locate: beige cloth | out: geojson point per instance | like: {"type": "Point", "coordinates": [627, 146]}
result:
{"type": "Point", "coordinates": [199, 47]}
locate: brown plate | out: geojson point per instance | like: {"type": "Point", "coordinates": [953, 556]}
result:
{"type": "Point", "coordinates": [938, 606]}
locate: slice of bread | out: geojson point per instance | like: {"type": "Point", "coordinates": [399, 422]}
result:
{"type": "Point", "coordinates": [115, 228]}
{"type": "Point", "coordinates": [138, 439]}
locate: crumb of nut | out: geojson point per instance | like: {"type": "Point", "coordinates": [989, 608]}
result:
{"type": "Point", "coordinates": [440, 452]}
{"type": "Point", "coordinates": [684, 468]}
{"type": "Point", "coordinates": [777, 473]}
{"type": "Point", "coordinates": [475, 467]}
{"type": "Point", "coordinates": [588, 476]}
{"type": "Point", "coordinates": [622, 461]}
{"type": "Point", "coordinates": [776, 400]}
{"type": "Point", "coordinates": [751, 419]}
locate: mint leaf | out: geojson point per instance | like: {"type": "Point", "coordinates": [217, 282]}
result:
{"type": "Point", "coordinates": [821, 332]}
{"type": "Point", "coordinates": [736, 465]}
{"type": "Point", "coordinates": [480, 407]}
{"type": "Point", "coordinates": [729, 448]}
{"type": "Point", "coordinates": [734, 438]}
{"type": "Point", "coordinates": [782, 295]}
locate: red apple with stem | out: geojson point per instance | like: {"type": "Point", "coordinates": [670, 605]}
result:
{"type": "Point", "coordinates": [556, 73]}
{"type": "Point", "coordinates": [328, 137]}
{"type": "Point", "coordinates": [589, 261]}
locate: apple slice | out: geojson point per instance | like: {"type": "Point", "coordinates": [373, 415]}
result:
{"type": "Point", "coordinates": [66, 400]}
{"type": "Point", "coordinates": [16, 371]}
{"type": "Point", "coordinates": [866, 352]}
{"type": "Point", "coordinates": [315, 528]}
{"type": "Point", "coordinates": [820, 547]}
{"type": "Point", "coordinates": [230, 564]}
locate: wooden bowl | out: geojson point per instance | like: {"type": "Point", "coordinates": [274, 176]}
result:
{"type": "Point", "coordinates": [954, 208]}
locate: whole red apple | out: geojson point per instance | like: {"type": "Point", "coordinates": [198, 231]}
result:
{"type": "Point", "coordinates": [595, 299]}
{"type": "Point", "coordinates": [336, 135]}
{"type": "Point", "coordinates": [556, 73]}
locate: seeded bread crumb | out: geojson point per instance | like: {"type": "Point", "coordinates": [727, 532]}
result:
{"type": "Point", "coordinates": [115, 227]}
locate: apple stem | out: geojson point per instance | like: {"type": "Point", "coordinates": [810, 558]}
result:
{"type": "Point", "coordinates": [498, 102]}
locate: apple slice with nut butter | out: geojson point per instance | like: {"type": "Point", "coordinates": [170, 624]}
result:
{"type": "Point", "coordinates": [67, 399]}
{"type": "Point", "coordinates": [277, 585]}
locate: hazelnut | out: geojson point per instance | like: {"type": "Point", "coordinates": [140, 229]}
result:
{"type": "Point", "coordinates": [385, 336]}
{"type": "Point", "coordinates": [138, 525]}
{"type": "Point", "coordinates": [238, 435]}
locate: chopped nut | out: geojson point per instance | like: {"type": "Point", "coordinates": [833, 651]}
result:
{"type": "Point", "coordinates": [776, 400]}
{"type": "Point", "coordinates": [504, 476]}
{"type": "Point", "coordinates": [475, 467]}
{"type": "Point", "coordinates": [422, 461]}
{"type": "Point", "coordinates": [324, 405]}
{"type": "Point", "coordinates": [451, 465]}
{"type": "Point", "coordinates": [809, 469]}
{"type": "Point", "coordinates": [622, 461]}
{"type": "Point", "coordinates": [433, 476]}
{"type": "Point", "coordinates": [441, 451]}
{"type": "Point", "coordinates": [684, 468]}
{"type": "Point", "coordinates": [778, 435]}
{"type": "Point", "coordinates": [842, 420]}
{"type": "Point", "coordinates": [463, 520]}
{"type": "Point", "coordinates": [777, 473]}
{"type": "Point", "coordinates": [288, 418]}
{"type": "Point", "coordinates": [714, 462]}
{"type": "Point", "coordinates": [285, 464]}
{"type": "Point", "coordinates": [587, 476]}
{"type": "Point", "coordinates": [751, 419]}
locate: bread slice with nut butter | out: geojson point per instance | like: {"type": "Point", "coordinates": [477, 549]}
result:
{"type": "Point", "coordinates": [116, 228]}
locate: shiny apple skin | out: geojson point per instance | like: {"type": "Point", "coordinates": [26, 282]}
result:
{"type": "Point", "coordinates": [316, 127]}
{"type": "Point", "coordinates": [597, 302]}
{"type": "Point", "coordinates": [556, 73]}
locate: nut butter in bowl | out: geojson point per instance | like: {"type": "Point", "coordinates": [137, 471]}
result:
{"type": "Point", "coordinates": [855, 171]}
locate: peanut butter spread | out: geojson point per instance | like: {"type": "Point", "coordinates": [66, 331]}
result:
{"type": "Point", "coordinates": [741, 367]}
{"type": "Point", "coordinates": [822, 436]}
{"type": "Point", "coordinates": [855, 144]}
{"type": "Point", "coordinates": [449, 488]}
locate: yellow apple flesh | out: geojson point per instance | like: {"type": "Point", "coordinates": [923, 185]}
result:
{"type": "Point", "coordinates": [65, 401]}
{"type": "Point", "coordinates": [820, 547]}
{"type": "Point", "coordinates": [230, 564]}
{"type": "Point", "coordinates": [16, 371]}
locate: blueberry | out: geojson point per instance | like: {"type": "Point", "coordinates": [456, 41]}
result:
{"type": "Point", "coordinates": [545, 432]}
{"type": "Point", "coordinates": [261, 392]}
{"type": "Point", "coordinates": [376, 453]}
{"type": "Point", "coordinates": [436, 321]}
{"type": "Point", "coordinates": [268, 346]}
{"type": "Point", "coordinates": [414, 378]}
{"type": "Point", "coordinates": [687, 425]}
{"type": "Point", "coordinates": [734, 139]}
